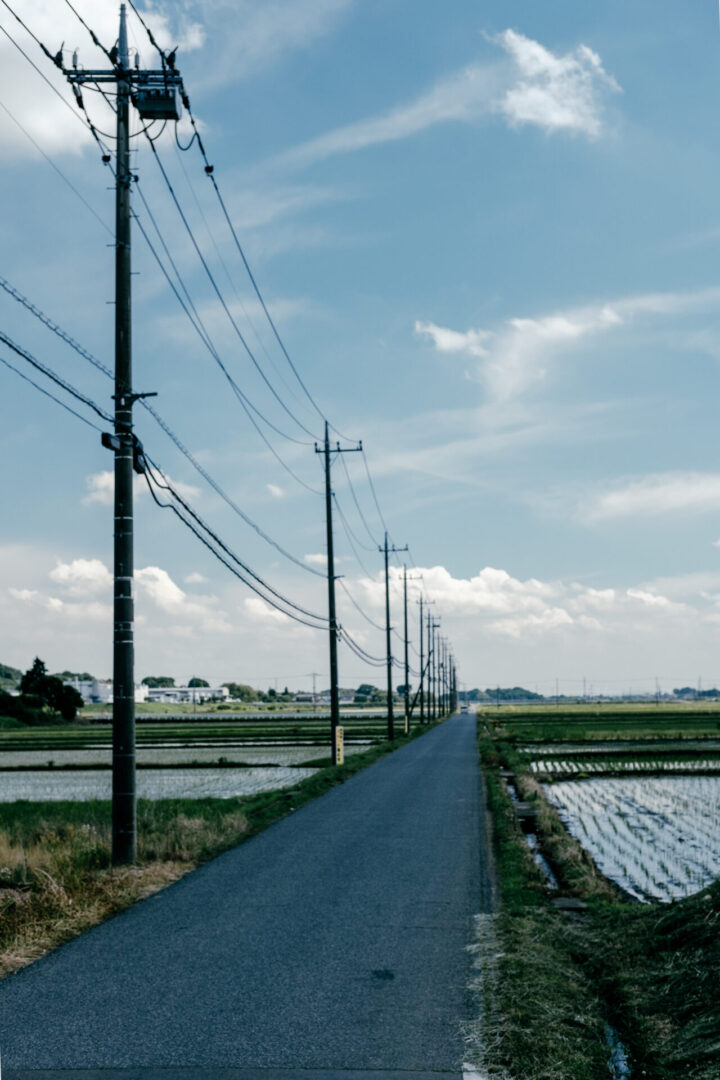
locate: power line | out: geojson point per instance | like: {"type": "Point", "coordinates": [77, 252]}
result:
{"type": "Point", "coordinates": [12, 291]}
{"type": "Point", "coordinates": [359, 510]}
{"type": "Point", "coordinates": [348, 533]}
{"type": "Point", "coordinates": [261, 584]}
{"type": "Point", "coordinates": [228, 275]}
{"type": "Point", "coordinates": [374, 493]}
{"type": "Point", "coordinates": [109, 53]}
{"type": "Point", "coordinates": [221, 298]}
{"type": "Point", "coordinates": [68, 387]}
{"type": "Point", "coordinates": [375, 661]}
{"type": "Point", "coordinates": [48, 394]}
{"type": "Point", "coordinates": [58, 170]}
{"type": "Point", "coordinates": [199, 327]}
{"type": "Point", "coordinates": [355, 604]}
{"type": "Point", "coordinates": [203, 333]}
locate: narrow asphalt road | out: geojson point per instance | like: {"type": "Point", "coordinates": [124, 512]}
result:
{"type": "Point", "coordinates": [332, 946]}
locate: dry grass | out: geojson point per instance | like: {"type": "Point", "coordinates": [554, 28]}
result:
{"type": "Point", "coordinates": [55, 879]}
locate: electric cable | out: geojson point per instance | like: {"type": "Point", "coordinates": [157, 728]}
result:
{"type": "Point", "coordinates": [245, 402]}
{"type": "Point", "coordinates": [199, 325]}
{"type": "Point", "coordinates": [58, 170]}
{"type": "Point", "coordinates": [362, 516]}
{"type": "Point", "coordinates": [167, 486]}
{"type": "Point", "coordinates": [222, 559]}
{"type": "Point", "coordinates": [229, 276]}
{"type": "Point", "coordinates": [210, 172]}
{"type": "Point", "coordinates": [92, 34]}
{"type": "Point", "coordinates": [12, 291]}
{"type": "Point", "coordinates": [149, 471]}
{"type": "Point", "coordinates": [372, 488]}
{"type": "Point", "coordinates": [48, 394]}
{"type": "Point", "coordinates": [221, 298]}
{"type": "Point", "coordinates": [346, 528]}
{"type": "Point", "coordinates": [68, 387]}
{"type": "Point", "coordinates": [41, 73]}
{"type": "Point", "coordinates": [357, 607]}
{"type": "Point", "coordinates": [375, 661]}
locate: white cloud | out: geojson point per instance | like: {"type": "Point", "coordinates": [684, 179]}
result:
{"type": "Point", "coordinates": [161, 588]}
{"type": "Point", "coordinates": [101, 488]}
{"type": "Point", "coordinates": [517, 355]}
{"type": "Point", "coordinates": [658, 493]}
{"type": "Point", "coordinates": [261, 612]}
{"type": "Point", "coordinates": [83, 576]}
{"type": "Point", "coordinates": [536, 86]}
{"type": "Point", "coordinates": [194, 579]}
{"type": "Point", "coordinates": [247, 36]}
{"type": "Point", "coordinates": [316, 560]}
{"type": "Point", "coordinates": [275, 491]}
{"type": "Point", "coordinates": [556, 93]}
{"type": "Point", "coordinates": [494, 602]}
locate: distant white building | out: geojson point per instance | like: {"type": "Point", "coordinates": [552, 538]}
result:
{"type": "Point", "coordinates": [194, 695]}
{"type": "Point", "coordinates": [100, 691]}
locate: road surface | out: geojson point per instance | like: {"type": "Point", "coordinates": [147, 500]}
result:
{"type": "Point", "coordinates": [332, 946]}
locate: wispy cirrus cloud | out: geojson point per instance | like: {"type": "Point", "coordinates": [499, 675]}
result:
{"type": "Point", "coordinates": [516, 356]}
{"type": "Point", "coordinates": [530, 86]}
{"type": "Point", "coordinates": [658, 493]}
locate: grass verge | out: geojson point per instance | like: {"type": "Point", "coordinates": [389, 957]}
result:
{"type": "Point", "coordinates": [55, 875]}
{"type": "Point", "coordinates": [558, 978]}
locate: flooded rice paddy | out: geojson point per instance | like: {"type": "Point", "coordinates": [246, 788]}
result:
{"type": "Point", "coordinates": [175, 754]}
{"type": "Point", "coordinates": [169, 783]}
{"type": "Point", "coordinates": [657, 837]}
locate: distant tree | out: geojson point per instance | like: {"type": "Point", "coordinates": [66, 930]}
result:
{"type": "Point", "coordinates": [400, 690]}
{"type": "Point", "coordinates": [198, 682]}
{"type": "Point", "coordinates": [512, 693]}
{"type": "Point", "coordinates": [83, 676]}
{"type": "Point", "coordinates": [241, 692]}
{"type": "Point", "coordinates": [157, 682]}
{"type": "Point", "coordinates": [368, 695]}
{"type": "Point", "coordinates": [49, 690]}
{"type": "Point", "coordinates": [10, 674]}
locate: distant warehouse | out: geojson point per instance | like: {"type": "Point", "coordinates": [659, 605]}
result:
{"type": "Point", "coordinates": [100, 691]}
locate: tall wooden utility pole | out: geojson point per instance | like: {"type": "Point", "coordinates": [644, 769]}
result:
{"type": "Point", "coordinates": [388, 631]}
{"type": "Point", "coordinates": [334, 694]}
{"type": "Point", "coordinates": [155, 95]}
{"type": "Point", "coordinates": [124, 801]}
{"type": "Point", "coordinates": [407, 659]}
{"type": "Point", "coordinates": [422, 668]}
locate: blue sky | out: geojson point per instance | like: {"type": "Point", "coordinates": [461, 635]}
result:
{"type": "Point", "coordinates": [489, 236]}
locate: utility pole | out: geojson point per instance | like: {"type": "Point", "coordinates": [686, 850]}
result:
{"type": "Point", "coordinates": [334, 697]}
{"type": "Point", "coordinates": [408, 710]}
{"type": "Point", "coordinates": [431, 700]}
{"type": "Point", "coordinates": [124, 800]}
{"type": "Point", "coordinates": [435, 626]}
{"type": "Point", "coordinates": [155, 95]}
{"type": "Point", "coordinates": [388, 630]}
{"type": "Point", "coordinates": [422, 668]}
{"type": "Point", "coordinates": [407, 659]}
